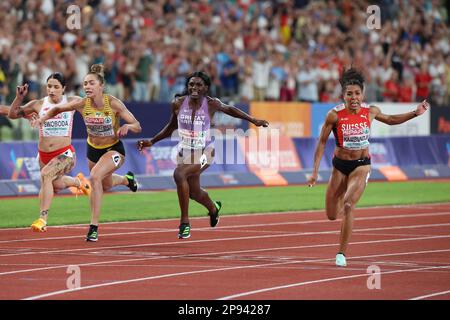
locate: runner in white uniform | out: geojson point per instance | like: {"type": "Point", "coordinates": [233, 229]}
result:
{"type": "Point", "coordinates": [56, 154]}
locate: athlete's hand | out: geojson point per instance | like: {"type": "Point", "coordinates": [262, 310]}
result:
{"type": "Point", "coordinates": [422, 107]}
{"type": "Point", "coordinates": [141, 144]}
{"type": "Point", "coordinates": [260, 123]}
{"type": "Point", "coordinates": [36, 122]}
{"type": "Point", "coordinates": [21, 91]}
{"type": "Point", "coordinates": [32, 117]}
{"type": "Point", "coordinates": [312, 180]}
{"type": "Point", "coordinates": [123, 131]}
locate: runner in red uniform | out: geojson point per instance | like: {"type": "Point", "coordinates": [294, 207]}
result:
{"type": "Point", "coordinates": [350, 123]}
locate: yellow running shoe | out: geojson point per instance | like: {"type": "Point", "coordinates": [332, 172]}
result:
{"type": "Point", "coordinates": [40, 225]}
{"type": "Point", "coordinates": [85, 185]}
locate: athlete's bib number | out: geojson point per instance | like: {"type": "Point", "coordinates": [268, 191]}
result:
{"type": "Point", "coordinates": [192, 139]}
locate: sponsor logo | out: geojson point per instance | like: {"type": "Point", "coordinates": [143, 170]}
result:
{"type": "Point", "coordinates": [116, 159]}
{"type": "Point", "coordinates": [94, 120]}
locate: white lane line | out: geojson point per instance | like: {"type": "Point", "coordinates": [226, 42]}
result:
{"type": "Point", "coordinates": [294, 234]}
{"type": "Point", "coordinates": [236, 226]}
{"type": "Point", "coordinates": [222, 253]}
{"type": "Point", "coordinates": [298, 284]}
{"type": "Point", "coordinates": [431, 295]}
{"type": "Point", "coordinates": [54, 293]}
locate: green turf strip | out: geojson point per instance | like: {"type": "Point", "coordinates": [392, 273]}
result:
{"type": "Point", "coordinates": [21, 212]}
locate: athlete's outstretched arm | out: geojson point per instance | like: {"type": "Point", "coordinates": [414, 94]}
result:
{"type": "Point", "coordinates": [131, 122]}
{"type": "Point", "coordinates": [167, 131]}
{"type": "Point", "coordinates": [16, 111]}
{"type": "Point", "coordinates": [393, 119]}
{"type": "Point", "coordinates": [73, 105]}
{"type": "Point", "coordinates": [327, 127]}
{"type": "Point", "coordinates": [4, 110]}
{"type": "Point", "coordinates": [237, 113]}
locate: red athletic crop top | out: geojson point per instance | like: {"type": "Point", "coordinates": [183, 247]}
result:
{"type": "Point", "coordinates": [352, 131]}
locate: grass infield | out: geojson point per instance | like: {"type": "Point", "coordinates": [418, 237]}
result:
{"type": "Point", "coordinates": [21, 212]}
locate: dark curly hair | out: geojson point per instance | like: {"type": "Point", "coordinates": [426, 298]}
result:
{"type": "Point", "coordinates": [352, 76]}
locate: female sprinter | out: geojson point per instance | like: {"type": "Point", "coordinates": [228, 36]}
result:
{"type": "Point", "coordinates": [56, 154]}
{"type": "Point", "coordinates": [350, 123]}
{"type": "Point", "coordinates": [192, 112]}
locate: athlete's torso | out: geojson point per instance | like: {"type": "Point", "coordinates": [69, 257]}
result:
{"type": "Point", "coordinates": [352, 132]}
{"type": "Point", "coordinates": [101, 124]}
{"type": "Point", "coordinates": [194, 127]}
{"type": "Point", "coordinates": [56, 132]}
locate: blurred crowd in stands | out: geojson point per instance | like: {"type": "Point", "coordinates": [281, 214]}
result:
{"type": "Point", "coordinates": [279, 50]}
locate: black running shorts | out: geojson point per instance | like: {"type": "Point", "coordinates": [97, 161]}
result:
{"type": "Point", "coordinates": [347, 166]}
{"type": "Point", "coordinates": [94, 154]}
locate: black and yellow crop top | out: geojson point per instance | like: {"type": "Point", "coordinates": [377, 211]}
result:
{"type": "Point", "coordinates": [101, 123]}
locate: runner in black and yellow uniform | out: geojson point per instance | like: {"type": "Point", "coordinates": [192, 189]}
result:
{"type": "Point", "coordinates": [105, 151]}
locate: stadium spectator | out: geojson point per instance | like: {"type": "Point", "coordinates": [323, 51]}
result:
{"type": "Point", "coordinates": [423, 82]}
{"type": "Point", "coordinates": [307, 78]}
{"type": "Point", "coordinates": [391, 88]}
{"type": "Point", "coordinates": [407, 90]}
{"type": "Point", "coordinates": [261, 76]}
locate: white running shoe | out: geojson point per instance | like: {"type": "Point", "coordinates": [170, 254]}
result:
{"type": "Point", "coordinates": [340, 260]}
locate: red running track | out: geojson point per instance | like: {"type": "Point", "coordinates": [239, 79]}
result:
{"type": "Point", "coordinates": [288, 256]}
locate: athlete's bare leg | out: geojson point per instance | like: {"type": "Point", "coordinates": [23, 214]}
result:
{"type": "Point", "coordinates": [334, 200]}
{"type": "Point", "coordinates": [356, 185]}
{"type": "Point", "coordinates": [196, 193]}
{"type": "Point", "coordinates": [181, 175]}
{"type": "Point", "coordinates": [50, 174]}
{"type": "Point", "coordinates": [65, 182]}
{"type": "Point", "coordinates": [104, 168]}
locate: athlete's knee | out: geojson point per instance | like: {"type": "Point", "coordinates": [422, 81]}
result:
{"type": "Point", "coordinates": [58, 185]}
{"type": "Point", "coordinates": [331, 217]}
{"type": "Point", "coordinates": [95, 179]}
{"type": "Point", "coordinates": [331, 213]}
{"type": "Point", "coordinates": [348, 206]}
{"type": "Point", "coordinates": [47, 176]}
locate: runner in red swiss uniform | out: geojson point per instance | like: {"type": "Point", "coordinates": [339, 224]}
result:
{"type": "Point", "coordinates": [350, 123]}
